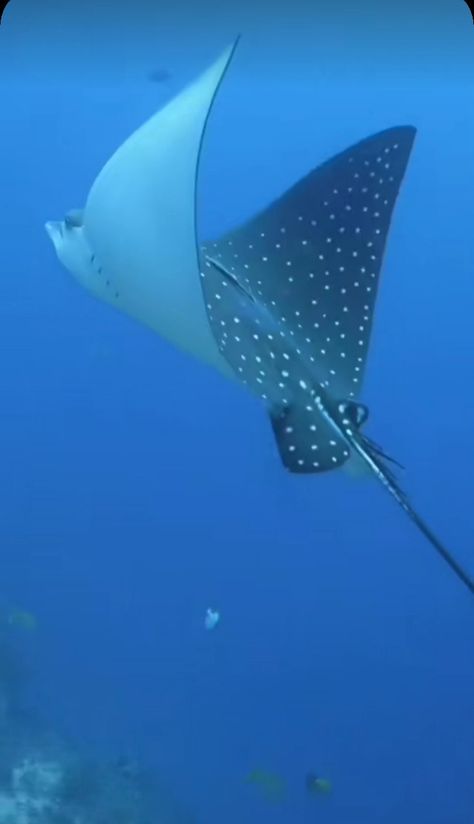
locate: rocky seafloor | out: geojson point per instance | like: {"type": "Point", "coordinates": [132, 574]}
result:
{"type": "Point", "coordinates": [46, 779]}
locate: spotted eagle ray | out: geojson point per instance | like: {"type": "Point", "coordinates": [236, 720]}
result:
{"type": "Point", "coordinates": [283, 304]}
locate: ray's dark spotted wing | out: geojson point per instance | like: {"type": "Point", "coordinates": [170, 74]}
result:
{"type": "Point", "coordinates": [313, 257]}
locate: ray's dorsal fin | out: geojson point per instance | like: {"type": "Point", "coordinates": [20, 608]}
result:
{"type": "Point", "coordinates": [313, 257]}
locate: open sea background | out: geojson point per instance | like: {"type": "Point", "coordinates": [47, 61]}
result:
{"type": "Point", "coordinates": [138, 487]}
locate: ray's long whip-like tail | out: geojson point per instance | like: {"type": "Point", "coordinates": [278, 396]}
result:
{"type": "Point", "coordinates": [387, 479]}
{"type": "Point", "coordinates": [455, 566]}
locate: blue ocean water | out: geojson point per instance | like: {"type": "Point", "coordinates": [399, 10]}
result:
{"type": "Point", "coordinates": [139, 488]}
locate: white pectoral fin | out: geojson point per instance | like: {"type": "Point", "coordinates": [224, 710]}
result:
{"type": "Point", "coordinates": [140, 217]}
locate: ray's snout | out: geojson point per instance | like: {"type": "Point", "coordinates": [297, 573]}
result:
{"type": "Point", "coordinates": [54, 230]}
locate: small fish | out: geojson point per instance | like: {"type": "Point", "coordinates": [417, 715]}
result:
{"type": "Point", "coordinates": [317, 785]}
{"type": "Point", "coordinates": [160, 75]}
{"type": "Point", "coordinates": [21, 618]}
{"type": "Point", "coordinates": [271, 785]}
{"type": "Point", "coordinates": [212, 618]}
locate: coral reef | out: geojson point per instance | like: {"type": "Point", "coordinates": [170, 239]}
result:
{"type": "Point", "coordinates": [31, 795]}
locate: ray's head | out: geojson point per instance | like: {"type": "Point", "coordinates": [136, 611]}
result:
{"type": "Point", "coordinates": [70, 243]}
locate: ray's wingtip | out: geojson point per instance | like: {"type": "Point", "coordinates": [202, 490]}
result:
{"type": "Point", "coordinates": [231, 48]}
{"type": "Point", "coordinates": [401, 128]}
{"type": "Point", "coordinates": [405, 133]}
{"type": "Point", "coordinates": [235, 42]}
{"type": "Point", "coordinates": [406, 128]}
{"type": "Point", "coordinates": [409, 130]}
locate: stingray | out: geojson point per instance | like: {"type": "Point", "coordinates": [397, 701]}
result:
{"type": "Point", "coordinates": [283, 304]}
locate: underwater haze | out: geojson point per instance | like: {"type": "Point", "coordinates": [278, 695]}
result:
{"type": "Point", "coordinates": [139, 488]}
